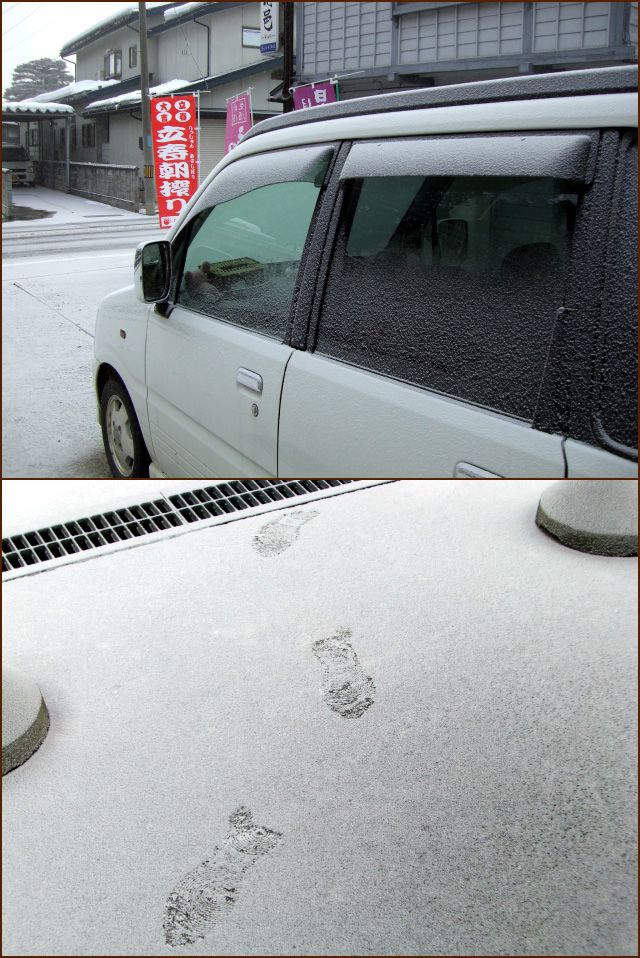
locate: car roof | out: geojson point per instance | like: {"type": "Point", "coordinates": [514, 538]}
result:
{"type": "Point", "coordinates": [620, 79]}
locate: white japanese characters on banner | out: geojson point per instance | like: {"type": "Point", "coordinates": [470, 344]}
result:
{"type": "Point", "coordinates": [175, 154]}
{"type": "Point", "coordinates": [239, 120]}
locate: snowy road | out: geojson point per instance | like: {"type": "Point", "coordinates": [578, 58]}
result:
{"type": "Point", "coordinates": [55, 272]}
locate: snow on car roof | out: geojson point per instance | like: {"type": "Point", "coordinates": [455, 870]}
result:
{"type": "Point", "coordinates": [207, 780]}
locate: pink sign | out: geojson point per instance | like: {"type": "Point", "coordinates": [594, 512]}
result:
{"type": "Point", "coordinates": [315, 94]}
{"type": "Point", "coordinates": [239, 120]}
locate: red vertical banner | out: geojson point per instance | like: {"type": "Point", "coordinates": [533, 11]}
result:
{"type": "Point", "coordinates": [174, 137]}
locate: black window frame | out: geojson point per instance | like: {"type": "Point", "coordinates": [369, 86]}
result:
{"type": "Point", "coordinates": [181, 242]}
{"type": "Point", "coordinates": [133, 56]}
{"type": "Point", "coordinates": [305, 336]}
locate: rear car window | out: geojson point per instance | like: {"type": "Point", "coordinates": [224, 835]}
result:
{"type": "Point", "coordinates": [451, 283]}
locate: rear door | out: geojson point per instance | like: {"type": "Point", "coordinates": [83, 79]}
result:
{"type": "Point", "coordinates": [428, 344]}
{"type": "Point", "coordinates": [215, 363]}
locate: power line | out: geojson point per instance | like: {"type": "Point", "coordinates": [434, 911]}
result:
{"type": "Point", "coordinates": [14, 25]}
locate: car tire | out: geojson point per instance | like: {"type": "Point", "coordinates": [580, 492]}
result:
{"type": "Point", "coordinates": [123, 441]}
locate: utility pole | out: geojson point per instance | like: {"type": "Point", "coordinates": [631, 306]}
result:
{"type": "Point", "coordinates": [287, 44]}
{"type": "Point", "coordinates": [147, 155]}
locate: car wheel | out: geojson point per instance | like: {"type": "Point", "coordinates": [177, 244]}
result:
{"type": "Point", "coordinates": [123, 442]}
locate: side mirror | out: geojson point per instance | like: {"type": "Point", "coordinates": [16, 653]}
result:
{"type": "Point", "coordinates": [152, 271]}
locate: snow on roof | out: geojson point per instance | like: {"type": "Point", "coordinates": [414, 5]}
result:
{"type": "Point", "coordinates": [32, 106]}
{"type": "Point", "coordinates": [127, 99]}
{"type": "Point", "coordinates": [184, 8]}
{"type": "Point", "coordinates": [115, 18]}
{"type": "Point", "coordinates": [72, 89]}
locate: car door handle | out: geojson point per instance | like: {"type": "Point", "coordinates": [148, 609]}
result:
{"type": "Point", "coordinates": [464, 470]}
{"type": "Point", "coordinates": [249, 379]}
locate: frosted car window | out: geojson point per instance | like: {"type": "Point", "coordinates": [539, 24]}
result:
{"type": "Point", "coordinates": [451, 283]}
{"type": "Point", "coordinates": [242, 260]}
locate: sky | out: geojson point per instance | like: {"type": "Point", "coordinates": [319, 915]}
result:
{"type": "Point", "coordinates": [34, 30]}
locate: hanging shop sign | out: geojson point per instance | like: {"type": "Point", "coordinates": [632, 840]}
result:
{"type": "Point", "coordinates": [174, 137]}
{"type": "Point", "coordinates": [239, 120]}
{"type": "Point", "coordinates": [314, 94]}
{"type": "Point", "coordinates": [269, 38]}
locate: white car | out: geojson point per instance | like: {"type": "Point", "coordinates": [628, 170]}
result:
{"type": "Point", "coordinates": [439, 282]}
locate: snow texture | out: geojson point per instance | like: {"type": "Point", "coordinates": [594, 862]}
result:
{"type": "Point", "coordinates": [72, 89]}
{"type": "Point", "coordinates": [34, 106]}
{"type": "Point", "coordinates": [483, 805]}
{"type": "Point", "coordinates": [135, 96]}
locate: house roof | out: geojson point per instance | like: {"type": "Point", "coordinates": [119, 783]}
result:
{"type": "Point", "coordinates": [114, 103]}
{"type": "Point", "coordinates": [31, 107]}
{"type": "Point", "coordinates": [76, 90]}
{"type": "Point", "coordinates": [111, 104]}
{"type": "Point", "coordinates": [104, 27]}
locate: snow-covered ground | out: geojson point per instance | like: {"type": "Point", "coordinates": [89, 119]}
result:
{"type": "Point", "coordinates": [480, 802]}
{"type": "Point", "coordinates": [64, 207]}
{"type": "Point", "coordinates": [55, 272]}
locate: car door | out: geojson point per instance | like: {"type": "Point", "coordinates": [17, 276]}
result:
{"type": "Point", "coordinates": [447, 265]}
{"type": "Point", "coordinates": [216, 356]}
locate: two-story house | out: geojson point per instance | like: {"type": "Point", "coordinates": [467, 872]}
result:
{"type": "Point", "coordinates": [212, 49]}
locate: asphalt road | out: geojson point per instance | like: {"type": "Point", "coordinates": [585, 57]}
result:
{"type": "Point", "coordinates": [55, 271]}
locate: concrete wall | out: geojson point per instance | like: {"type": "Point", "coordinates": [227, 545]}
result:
{"type": "Point", "coordinates": [116, 185]}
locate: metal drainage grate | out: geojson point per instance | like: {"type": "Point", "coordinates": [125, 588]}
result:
{"type": "Point", "coordinates": [92, 532]}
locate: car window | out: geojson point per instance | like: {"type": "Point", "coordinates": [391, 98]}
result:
{"type": "Point", "coordinates": [451, 283]}
{"type": "Point", "coordinates": [13, 153]}
{"type": "Point", "coordinates": [243, 256]}
{"type": "Point", "coordinates": [617, 404]}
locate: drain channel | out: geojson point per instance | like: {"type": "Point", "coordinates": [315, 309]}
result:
{"type": "Point", "coordinates": [157, 515]}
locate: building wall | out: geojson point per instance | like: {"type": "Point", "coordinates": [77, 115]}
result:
{"type": "Point", "coordinates": [90, 60]}
{"type": "Point", "coordinates": [460, 31]}
{"type": "Point", "coordinates": [380, 37]}
{"type": "Point", "coordinates": [633, 26]}
{"type": "Point", "coordinates": [124, 136]}
{"type": "Point", "coordinates": [345, 36]}
{"type": "Point", "coordinates": [182, 53]}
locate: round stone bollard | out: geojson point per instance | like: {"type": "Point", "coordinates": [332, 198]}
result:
{"type": "Point", "coordinates": [592, 515]}
{"type": "Point", "coordinates": [25, 719]}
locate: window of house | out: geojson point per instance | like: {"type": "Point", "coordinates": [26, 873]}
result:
{"type": "Point", "coordinates": [133, 56]}
{"type": "Point", "coordinates": [243, 256]}
{"type": "Point", "coordinates": [113, 64]}
{"type": "Point", "coordinates": [451, 283]}
{"type": "Point", "coordinates": [62, 135]}
{"type": "Point", "coordinates": [250, 37]}
{"type": "Point", "coordinates": [33, 139]}
{"type": "Point", "coordinates": [88, 134]}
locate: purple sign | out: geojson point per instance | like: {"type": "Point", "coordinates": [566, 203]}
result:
{"type": "Point", "coordinates": [315, 94]}
{"type": "Point", "coordinates": [238, 120]}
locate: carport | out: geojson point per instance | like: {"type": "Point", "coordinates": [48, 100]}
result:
{"type": "Point", "coordinates": [47, 117]}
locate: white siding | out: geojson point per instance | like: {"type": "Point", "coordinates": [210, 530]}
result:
{"type": "Point", "coordinates": [570, 26]}
{"type": "Point", "coordinates": [182, 53]}
{"type": "Point", "coordinates": [461, 31]}
{"type": "Point", "coordinates": [90, 60]}
{"type": "Point", "coordinates": [123, 147]}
